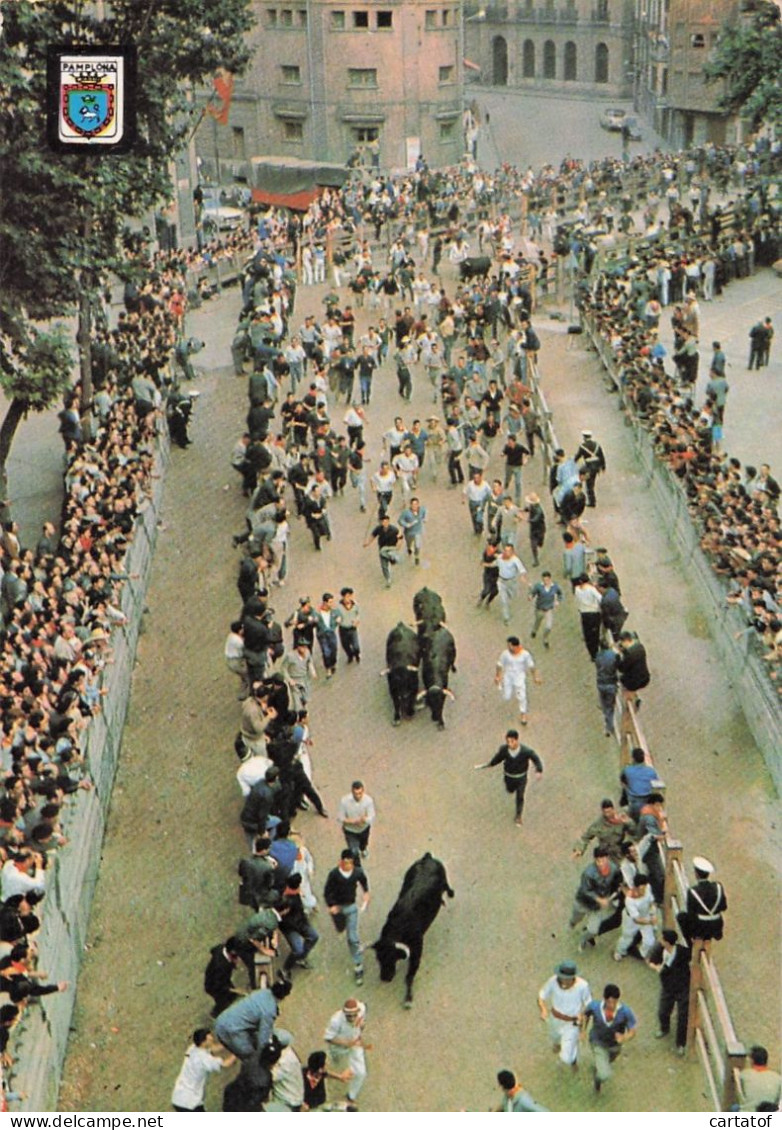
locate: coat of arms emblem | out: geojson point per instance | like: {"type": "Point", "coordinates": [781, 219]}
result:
{"type": "Point", "coordinates": [91, 98]}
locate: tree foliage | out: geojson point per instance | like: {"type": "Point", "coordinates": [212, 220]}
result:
{"type": "Point", "coordinates": [61, 214]}
{"type": "Point", "coordinates": [748, 59]}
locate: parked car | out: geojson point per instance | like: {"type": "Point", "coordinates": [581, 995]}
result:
{"type": "Point", "coordinates": [217, 213]}
{"type": "Point", "coordinates": [612, 118]}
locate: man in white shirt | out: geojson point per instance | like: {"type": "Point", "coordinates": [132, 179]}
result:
{"type": "Point", "coordinates": [356, 813]}
{"type": "Point", "coordinates": [510, 569]}
{"type": "Point", "coordinates": [640, 913]}
{"type": "Point", "coordinates": [344, 1038]}
{"type": "Point", "coordinates": [477, 494]}
{"type": "Point", "coordinates": [511, 674]}
{"type": "Point", "coordinates": [588, 601]}
{"type": "Point", "coordinates": [198, 1065]}
{"type": "Point", "coordinates": [561, 1002]}
{"type": "Point", "coordinates": [406, 466]}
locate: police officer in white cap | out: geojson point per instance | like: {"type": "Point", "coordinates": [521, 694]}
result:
{"type": "Point", "coordinates": [591, 458]}
{"type": "Point", "coordinates": [703, 914]}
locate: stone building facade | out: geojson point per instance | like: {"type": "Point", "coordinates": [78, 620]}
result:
{"type": "Point", "coordinates": [333, 77]}
{"type": "Point", "coordinates": [570, 46]}
{"type": "Point", "coordinates": [674, 39]}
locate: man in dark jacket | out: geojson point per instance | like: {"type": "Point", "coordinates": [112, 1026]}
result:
{"type": "Point", "coordinates": [706, 903]}
{"type": "Point", "coordinates": [298, 931]}
{"type": "Point", "coordinates": [515, 759]}
{"type": "Point", "coordinates": [672, 962]}
{"type": "Point", "coordinates": [596, 896]}
{"type": "Point", "coordinates": [633, 671]}
{"type": "Point", "coordinates": [340, 893]}
{"type": "Point", "coordinates": [257, 876]}
{"type": "Point", "coordinates": [259, 803]}
{"type": "Point", "coordinates": [218, 976]}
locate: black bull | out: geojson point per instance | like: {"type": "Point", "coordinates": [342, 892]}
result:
{"type": "Point", "coordinates": [474, 266]}
{"type": "Point", "coordinates": [410, 917]}
{"type": "Point", "coordinates": [402, 658]}
{"type": "Point", "coordinates": [438, 660]}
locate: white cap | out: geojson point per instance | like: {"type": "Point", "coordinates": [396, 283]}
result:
{"type": "Point", "coordinates": [702, 864]}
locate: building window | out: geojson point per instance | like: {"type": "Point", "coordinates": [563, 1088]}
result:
{"type": "Point", "coordinates": [697, 40]}
{"type": "Point", "coordinates": [363, 134]}
{"type": "Point", "coordinates": [361, 19]}
{"type": "Point", "coordinates": [271, 17]}
{"type": "Point", "coordinates": [446, 17]}
{"type": "Point", "coordinates": [293, 131]}
{"type": "Point", "coordinates": [602, 12]}
{"type": "Point", "coordinates": [385, 20]}
{"type": "Point", "coordinates": [430, 18]}
{"type": "Point", "coordinates": [447, 131]}
{"type": "Point", "coordinates": [528, 59]}
{"type": "Point", "coordinates": [302, 16]}
{"type": "Point", "coordinates": [549, 59]}
{"type": "Point", "coordinates": [291, 73]}
{"type": "Point", "coordinates": [337, 21]}
{"type": "Point", "coordinates": [570, 69]}
{"type": "Point", "coordinates": [601, 63]}
{"type": "Point", "coordinates": [362, 76]}
{"type": "Point", "coordinates": [237, 143]}
{"type": "Point", "coordinates": [445, 74]}
{"type": "Point", "coordinates": [286, 17]}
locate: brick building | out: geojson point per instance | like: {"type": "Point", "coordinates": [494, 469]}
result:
{"type": "Point", "coordinates": [674, 39]}
{"type": "Point", "coordinates": [329, 78]}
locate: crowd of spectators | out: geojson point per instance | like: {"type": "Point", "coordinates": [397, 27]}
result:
{"type": "Point", "coordinates": [61, 601]}
{"type": "Point", "coordinates": [735, 508]}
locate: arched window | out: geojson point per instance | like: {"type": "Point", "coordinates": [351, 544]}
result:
{"type": "Point", "coordinates": [499, 57]}
{"type": "Point", "coordinates": [571, 70]}
{"type": "Point", "coordinates": [528, 59]}
{"type": "Point", "coordinates": [549, 59]}
{"type": "Point", "coordinates": [601, 63]}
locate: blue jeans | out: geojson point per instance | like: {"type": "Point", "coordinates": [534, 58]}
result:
{"type": "Point", "coordinates": [514, 473]}
{"type": "Point", "coordinates": [301, 942]}
{"type": "Point", "coordinates": [328, 647]}
{"type": "Point", "coordinates": [477, 510]}
{"type": "Point", "coordinates": [351, 927]}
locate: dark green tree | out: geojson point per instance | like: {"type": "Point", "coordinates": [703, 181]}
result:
{"type": "Point", "coordinates": [748, 60]}
{"type": "Point", "coordinates": [62, 215]}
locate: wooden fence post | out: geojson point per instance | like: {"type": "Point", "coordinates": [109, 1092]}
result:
{"type": "Point", "coordinates": [699, 946]}
{"type": "Point", "coordinates": [735, 1060]}
{"type": "Point", "coordinates": [673, 854]}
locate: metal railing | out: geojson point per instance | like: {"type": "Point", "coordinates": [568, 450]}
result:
{"type": "Point", "coordinates": [738, 651]}
{"type": "Point", "coordinates": [40, 1038]}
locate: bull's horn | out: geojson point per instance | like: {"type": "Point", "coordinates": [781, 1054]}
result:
{"type": "Point", "coordinates": [450, 694]}
{"type": "Point", "coordinates": [403, 949]}
{"type": "Point", "coordinates": [420, 695]}
{"type": "Point", "coordinates": [410, 667]}
{"type": "Point", "coordinates": [384, 671]}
